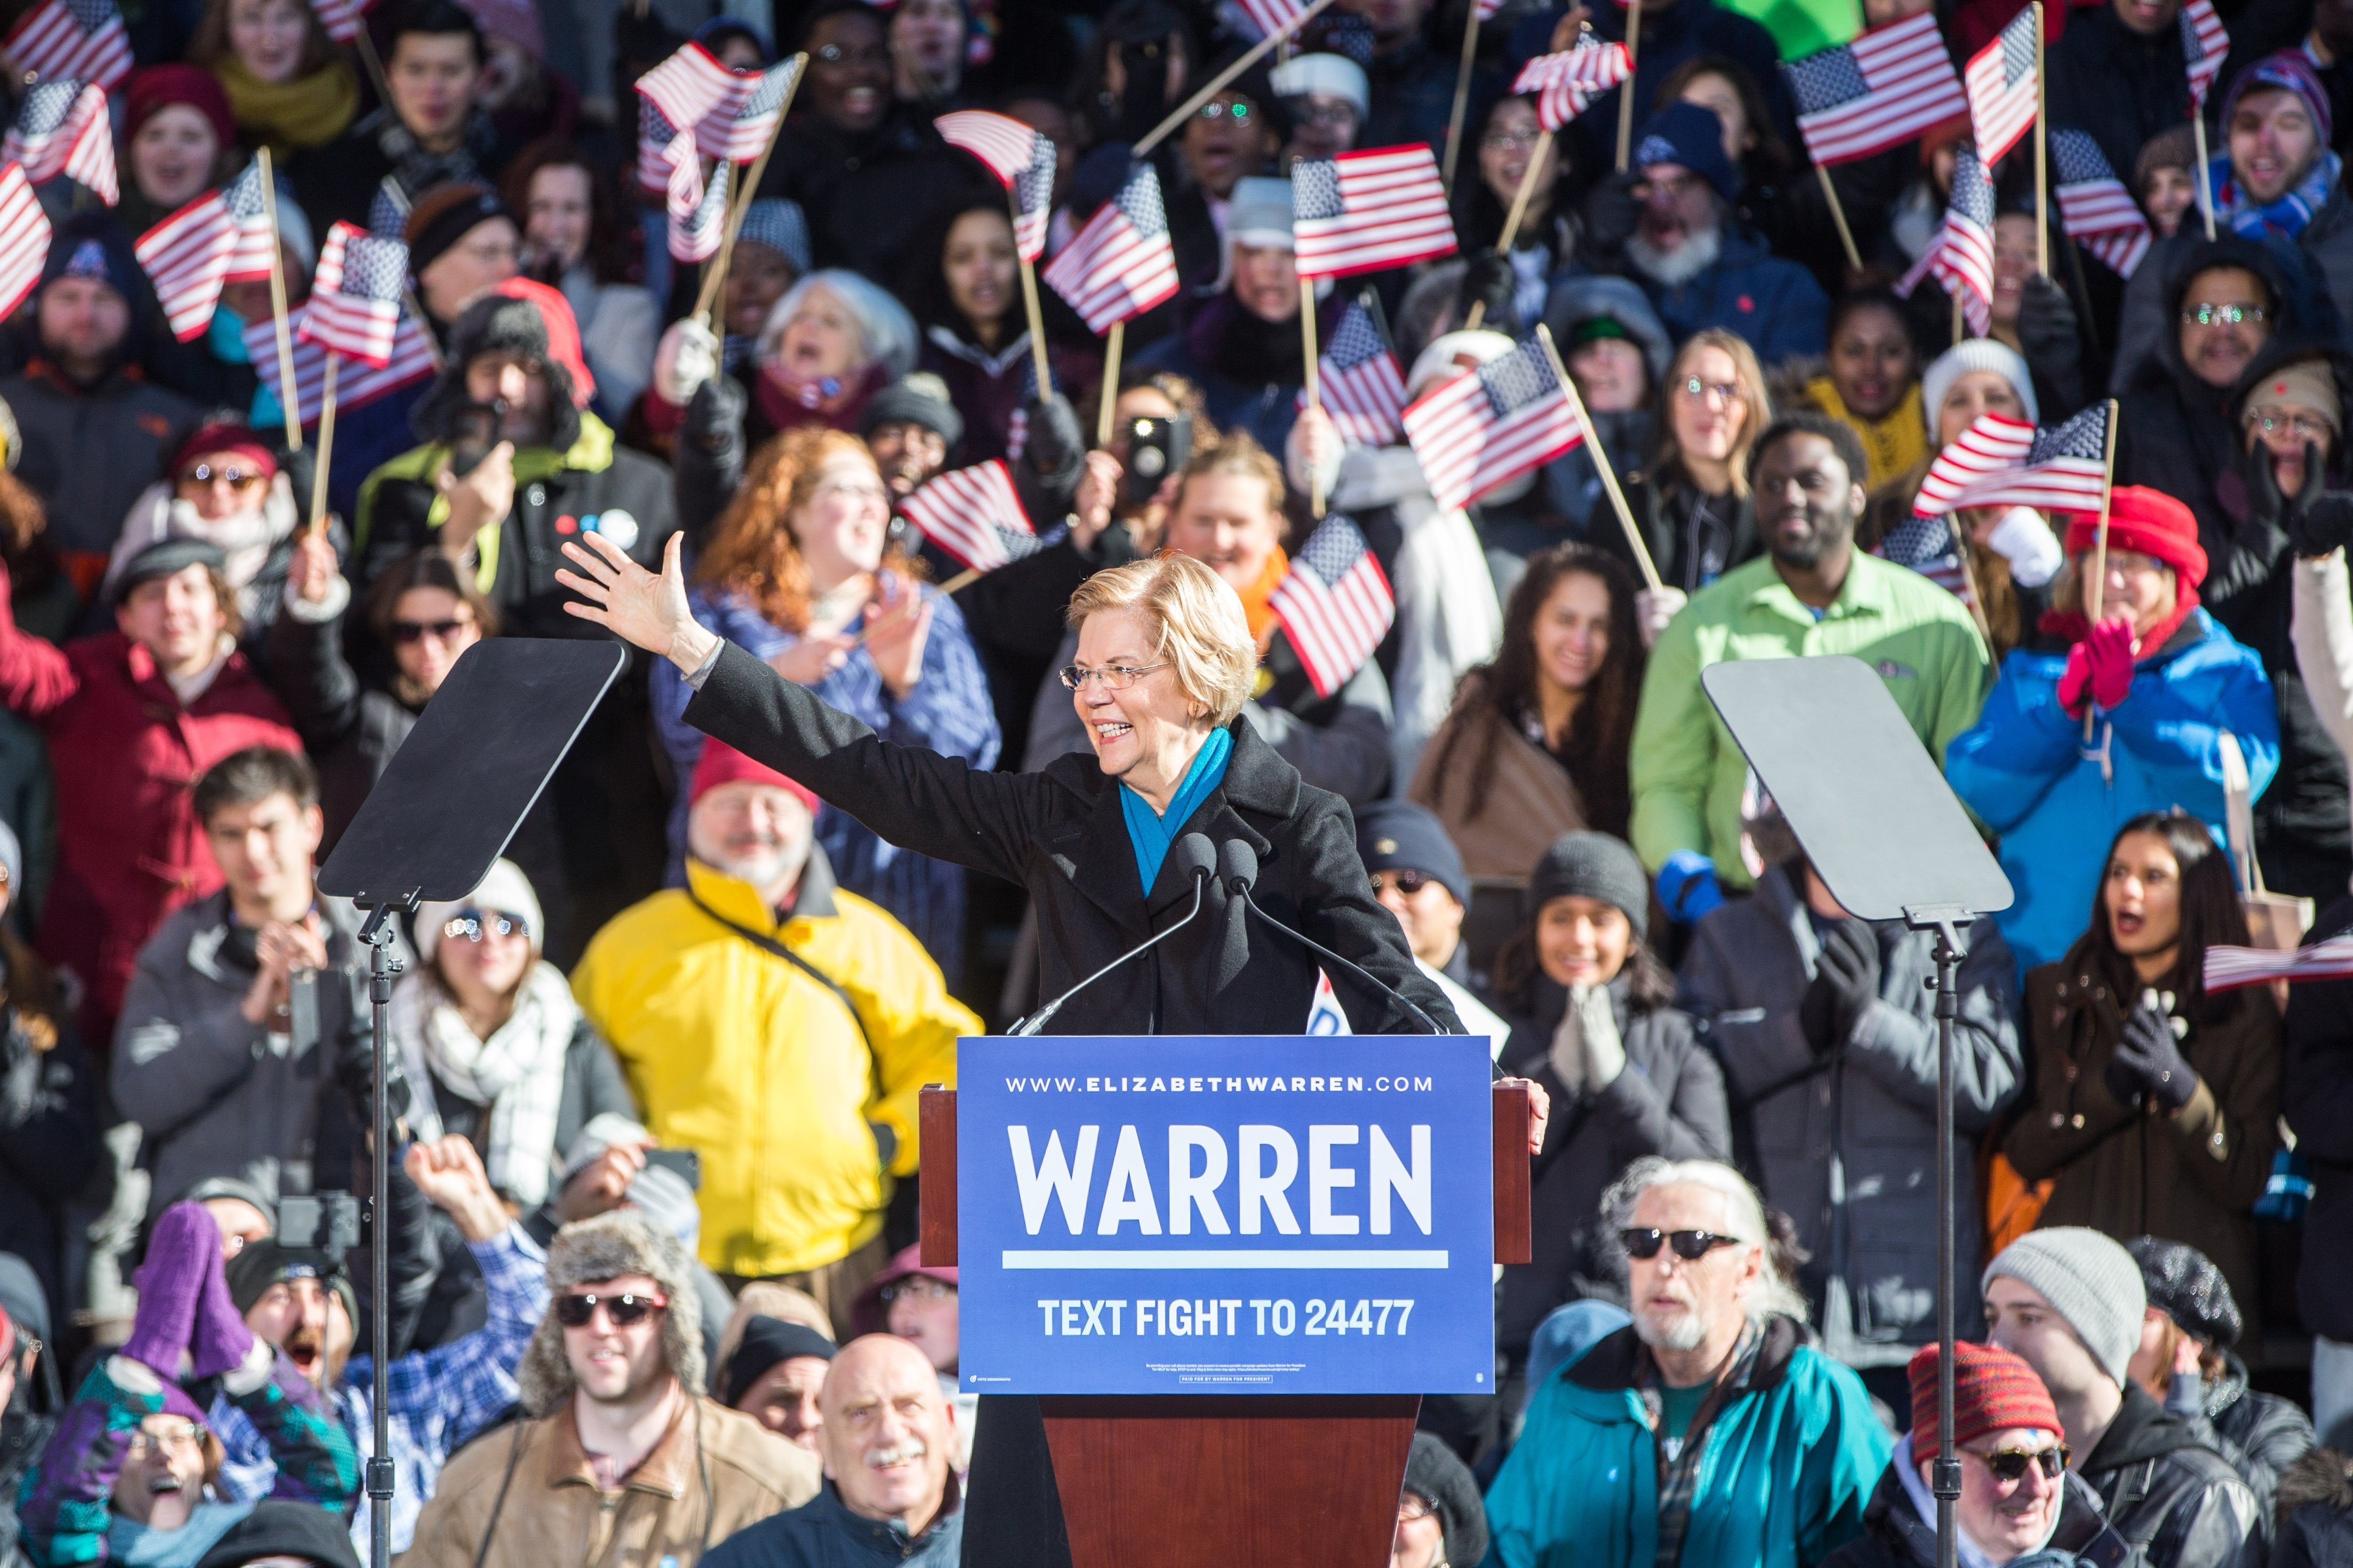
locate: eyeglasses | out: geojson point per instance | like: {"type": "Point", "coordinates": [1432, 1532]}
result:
{"type": "Point", "coordinates": [1326, 115]}
{"type": "Point", "coordinates": [1241, 113]}
{"type": "Point", "coordinates": [1405, 882]}
{"type": "Point", "coordinates": [474, 925]}
{"type": "Point", "coordinates": [625, 1312]}
{"type": "Point", "coordinates": [871, 54]}
{"type": "Point", "coordinates": [1114, 677]}
{"type": "Point", "coordinates": [1691, 1245]}
{"type": "Point", "coordinates": [1725, 392]}
{"type": "Point", "coordinates": [181, 1439]}
{"type": "Point", "coordinates": [2223, 315]}
{"type": "Point", "coordinates": [872, 489]}
{"type": "Point", "coordinates": [1510, 141]}
{"type": "Point", "coordinates": [407, 632]}
{"type": "Point", "coordinates": [1412, 1506]}
{"type": "Point", "coordinates": [917, 1288]}
{"type": "Point", "coordinates": [2309, 427]}
{"type": "Point", "coordinates": [229, 474]}
{"type": "Point", "coordinates": [2009, 1465]}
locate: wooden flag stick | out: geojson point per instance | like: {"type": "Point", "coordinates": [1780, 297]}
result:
{"type": "Point", "coordinates": [1625, 88]}
{"type": "Point", "coordinates": [1461, 94]}
{"type": "Point", "coordinates": [1961, 319]}
{"type": "Point", "coordinates": [1037, 328]}
{"type": "Point", "coordinates": [1216, 84]}
{"type": "Point", "coordinates": [277, 306]}
{"type": "Point", "coordinates": [2205, 174]}
{"type": "Point", "coordinates": [717, 273]}
{"type": "Point", "coordinates": [1315, 382]}
{"type": "Point", "coordinates": [2042, 153]}
{"type": "Point", "coordinates": [1601, 461]}
{"type": "Point", "coordinates": [1110, 398]}
{"type": "Point", "coordinates": [1536, 161]}
{"type": "Point", "coordinates": [2094, 590]}
{"type": "Point", "coordinates": [326, 447]}
{"type": "Point", "coordinates": [1838, 215]}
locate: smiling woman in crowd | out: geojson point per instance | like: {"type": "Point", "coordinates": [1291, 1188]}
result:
{"type": "Point", "coordinates": [289, 86]}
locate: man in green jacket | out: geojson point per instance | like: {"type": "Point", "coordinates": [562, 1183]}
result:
{"type": "Point", "coordinates": [1709, 1433]}
{"type": "Point", "coordinates": [1812, 593]}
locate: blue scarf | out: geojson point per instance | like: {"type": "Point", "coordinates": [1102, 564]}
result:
{"type": "Point", "coordinates": [134, 1545]}
{"type": "Point", "coordinates": [2284, 217]}
{"type": "Point", "coordinates": [1152, 832]}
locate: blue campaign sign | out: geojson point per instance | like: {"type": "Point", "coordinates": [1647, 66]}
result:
{"type": "Point", "coordinates": [1226, 1214]}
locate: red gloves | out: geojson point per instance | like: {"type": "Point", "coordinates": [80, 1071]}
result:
{"type": "Point", "coordinates": [2099, 669]}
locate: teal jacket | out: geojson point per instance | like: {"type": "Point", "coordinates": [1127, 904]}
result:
{"type": "Point", "coordinates": [1787, 1471]}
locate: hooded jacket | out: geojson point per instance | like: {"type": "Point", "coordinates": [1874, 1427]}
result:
{"type": "Point", "coordinates": [89, 450]}
{"type": "Point", "coordinates": [2315, 1513]}
{"type": "Point", "coordinates": [2026, 772]}
{"type": "Point", "coordinates": [1788, 1466]}
{"type": "Point", "coordinates": [2168, 1494]}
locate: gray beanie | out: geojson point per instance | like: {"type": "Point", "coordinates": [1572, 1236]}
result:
{"type": "Point", "coordinates": [1976, 354]}
{"type": "Point", "coordinates": [2090, 1280]}
{"type": "Point", "coordinates": [1591, 865]}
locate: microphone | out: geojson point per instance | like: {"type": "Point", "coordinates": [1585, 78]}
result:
{"type": "Point", "coordinates": [1195, 858]}
{"type": "Point", "coordinates": [1238, 873]}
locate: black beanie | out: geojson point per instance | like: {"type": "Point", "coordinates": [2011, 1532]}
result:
{"type": "Point", "coordinates": [2184, 1285]}
{"type": "Point", "coordinates": [1434, 1474]}
{"type": "Point", "coordinates": [1396, 835]}
{"type": "Point", "coordinates": [767, 1340]}
{"type": "Point", "coordinates": [282, 1529]}
{"type": "Point", "coordinates": [1592, 866]}
{"type": "Point", "coordinates": [265, 1263]}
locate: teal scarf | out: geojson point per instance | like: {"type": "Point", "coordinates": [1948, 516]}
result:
{"type": "Point", "coordinates": [1152, 832]}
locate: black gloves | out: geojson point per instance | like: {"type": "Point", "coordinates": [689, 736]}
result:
{"type": "Point", "coordinates": [1488, 280]}
{"type": "Point", "coordinates": [2148, 1060]}
{"type": "Point", "coordinates": [2317, 520]}
{"type": "Point", "coordinates": [1845, 985]}
{"type": "Point", "coordinates": [1055, 449]}
{"type": "Point", "coordinates": [1611, 214]}
{"type": "Point", "coordinates": [714, 416]}
{"type": "Point", "coordinates": [2049, 339]}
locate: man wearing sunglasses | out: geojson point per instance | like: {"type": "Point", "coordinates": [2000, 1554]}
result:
{"type": "Point", "coordinates": [624, 1457]}
{"type": "Point", "coordinates": [1417, 876]}
{"type": "Point", "coordinates": [1709, 1429]}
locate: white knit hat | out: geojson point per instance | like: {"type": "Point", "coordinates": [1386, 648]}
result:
{"type": "Point", "coordinates": [1334, 76]}
{"type": "Point", "coordinates": [1976, 354]}
{"type": "Point", "coordinates": [505, 889]}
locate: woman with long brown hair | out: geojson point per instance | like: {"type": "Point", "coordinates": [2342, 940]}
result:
{"type": "Point", "coordinates": [1693, 503]}
{"type": "Point", "coordinates": [1536, 744]}
{"type": "Point", "coordinates": [802, 572]}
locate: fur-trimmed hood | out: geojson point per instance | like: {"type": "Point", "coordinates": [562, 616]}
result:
{"type": "Point", "coordinates": [2323, 1476]}
{"type": "Point", "coordinates": [604, 1248]}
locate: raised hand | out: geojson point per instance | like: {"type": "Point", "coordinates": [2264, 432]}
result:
{"type": "Point", "coordinates": [895, 636]}
{"type": "Point", "coordinates": [634, 604]}
{"type": "Point", "coordinates": [449, 1173]}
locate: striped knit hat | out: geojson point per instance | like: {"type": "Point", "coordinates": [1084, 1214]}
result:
{"type": "Point", "coordinates": [1993, 1391]}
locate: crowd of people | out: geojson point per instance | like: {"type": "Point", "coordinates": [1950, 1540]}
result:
{"type": "Point", "coordinates": [653, 1287]}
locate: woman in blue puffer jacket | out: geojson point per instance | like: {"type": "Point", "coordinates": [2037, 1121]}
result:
{"type": "Point", "coordinates": [2166, 687]}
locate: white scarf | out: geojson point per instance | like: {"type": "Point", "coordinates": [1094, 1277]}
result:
{"type": "Point", "coordinates": [518, 1072]}
{"type": "Point", "coordinates": [246, 537]}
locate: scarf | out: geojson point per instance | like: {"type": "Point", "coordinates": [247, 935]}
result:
{"type": "Point", "coordinates": [790, 403]}
{"type": "Point", "coordinates": [246, 537]}
{"type": "Point", "coordinates": [1257, 599]}
{"type": "Point", "coordinates": [416, 171]}
{"type": "Point", "coordinates": [135, 1545]}
{"type": "Point", "coordinates": [2284, 217]}
{"type": "Point", "coordinates": [2075, 626]}
{"type": "Point", "coordinates": [1895, 443]}
{"type": "Point", "coordinates": [517, 1073]}
{"type": "Point", "coordinates": [290, 116]}
{"type": "Point", "coordinates": [1150, 832]}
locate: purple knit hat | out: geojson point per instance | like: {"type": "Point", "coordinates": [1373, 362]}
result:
{"type": "Point", "coordinates": [2289, 71]}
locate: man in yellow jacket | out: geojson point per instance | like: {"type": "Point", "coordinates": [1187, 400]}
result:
{"type": "Point", "coordinates": [779, 1026]}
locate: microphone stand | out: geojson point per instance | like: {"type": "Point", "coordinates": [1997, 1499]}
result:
{"type": "Point", "coordinates": [1240, 889]}
{"type": "Point", "coordinates": [1037, 1021]}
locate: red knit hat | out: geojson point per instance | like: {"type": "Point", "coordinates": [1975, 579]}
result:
{"type": "Point", "coordinates": [2149, 521]}
{"type": "Point", "coordinates": [222, 436]}
{"type": "Point", "coordinates": [723, 764]}
{"type": "Point", "coordinates": [159, 87]}
{"type": "Point", "coordinates": [1993, 1391]}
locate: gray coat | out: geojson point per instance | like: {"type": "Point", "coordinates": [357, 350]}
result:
{"type": "Point", "coordinates": [1845, 1143]}
{"type": "Point", "coordinates": [212, 1094]}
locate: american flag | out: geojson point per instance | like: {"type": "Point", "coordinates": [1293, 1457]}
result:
{"type": "Point", "coordinates": [1481, 430]}
{"type": "Point", "coordinates": [1121, 263]}
{"type": "Point", "coordinates": [739, 129]}
{"type": "Point", "coordinates": [1927, 546]}
{"type": "Point", "coordinates": [62, 129]}
{"type": "Point", "coordinates": [79, 40]}
{"type": "Point", "coordinates": [342, 20]}
{"type": "Point", "coordinates": [24, 237]}
{"type": "Point", "coordinates": [2093, 204]}
{"type": "Point", "coordinates": [2002, 461]}
{"type": "Point", "coordinates": [1567, 83]}
{"type": "Point", "coordinates": [2204, 45]}
{"type": "Point", "coordinates": [1961, 255]}
{"type": "Point", "coordinates": [359, 317]}
{"type": "Point", "coordinates": [1272, 17]}
{"type": "Point", "coordinates": [388, 209]}
{"type": "Point", "coordinates": [249, 262]}
{"type": "Point", "coordinates": [1363, 211]}
{"type": "Point", "coordinates": [1336, 604]}
{"type": "Point", "coordinates": [2003, 89]}
{"type": "Point", "coordinates": [975, 515]}
{"type": "Point", "coordinates": [328, 276]}
{"type": "Point", "coordinates": [656, 139]}
{"type": "Point", "coordinates": [355, 385]}
{"type": "Point", "coordinates": [695, 236]}
{"type": "Point", "coordinates": [1021, 158]}
{"type": "Point", "coordinates": [2228, 968]}
{"type": "Point", "coordinates": [1879, 91]}
{"type": "Point", "coordinates": [685, 185]}
{"type": "Point", "coordinates": [187, 257]}
{"type": "Point", "coordinates": [1362, 385]}
{"type": "Point", "coordinates": [689, 85]}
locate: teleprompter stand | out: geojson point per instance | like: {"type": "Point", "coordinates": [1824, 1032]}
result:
{"type": "Point", "coordinates": [1891, 842]}
{"type": "Point", "coordinates": [451, 798]}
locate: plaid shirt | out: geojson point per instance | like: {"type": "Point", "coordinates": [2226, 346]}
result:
{"type": "Point", "coordinates": [440, 1398]}
{"type": "Point", "coordinates": [1678, 1462]}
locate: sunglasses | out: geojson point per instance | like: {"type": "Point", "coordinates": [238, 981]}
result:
{"type": "Point", "coordinates": [405, 632]}
{"type": "Point", "coordinates": [625, 1312]}
{"type": "Point", "coordinates": [2009, 1465]}
{"type": "Point", "coordinates": [473, 925]}
{"type": "Point", "coordinates": [1405, 882]}
{"type": "Point", "coordinates": [229, 474]}
{"type": "Point", "coordinates": [1691, 1245]}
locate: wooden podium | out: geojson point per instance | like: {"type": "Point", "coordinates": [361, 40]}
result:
{"type": "Point", "coordinates": [1180, 1480]}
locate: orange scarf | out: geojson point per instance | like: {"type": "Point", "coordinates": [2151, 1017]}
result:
{"type": "Point", "coordinates": [1264, 617]}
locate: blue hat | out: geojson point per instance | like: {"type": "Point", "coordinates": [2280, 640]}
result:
{"type": "Point", "coordinates": [1689, 135]}
{"type": "Point", "coordinates": [782, 226]}
{"type": "Point", "coordinates": [2289, 70]}
{"type": "Point", "coordinates": [1399, 835]}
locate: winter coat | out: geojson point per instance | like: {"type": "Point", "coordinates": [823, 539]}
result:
{"type": "Point", "coordinates": [1505, 821]}
{"type": "Point", "coordinates": [1844, 1141]}
{"type": "Point", "coordinates": [2318, 1094]}
{"type": "Point", "coordinates": [2261, 1434]}
{"type": "Point", "coordinates": [89, 451]}
{"type": "Point", "coordinates": [215, 1095]}
{"type": "Point", "coordinates": [1668, 1100]}
{"type": "Point", "coordinates": [2121, 86]}
{"type": "Point", "coordinates": [1894, 1535]}
{"type": "Point", "coordinates": [1789, 1463]}
{"type": "Point", "coordinates": [2166, 1493]}
{"type": "Point", "coordinates": [868, 195]}
{"type": "Point", "coordinates": [803, 1110]}
{"type": "Point", "coordinates": [1688, 555]}
{"type": "Point", "coordinates": [2025, 771]}
{"type": "Point", "coordinates": [48, 1137]}
{"type": "Point", "coordinates": [523, 1496]}
{"type": "Point", "coordinates": [2315, 1513]}
{"type": "Point", "coordinates": [988, 389]}
{"type": "Point", "coordinates": [125, 751]}
{"type": "Point", "coordinates": [1771, 301]}
{"type": "Point", "coordinates": [823, 1533]}
{"type": "Point", "coordinates": [2128, 1168]}
{"type": "Point", "coordinates": [1251, 372]}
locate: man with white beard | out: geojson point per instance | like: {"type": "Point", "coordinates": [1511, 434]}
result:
{"type": "Point", "coordinates": [1673, 214]}
{"type": "Point", "coordinates": [1723, 1435]}
{"type": "Point", "coordinates": [889, 1495]}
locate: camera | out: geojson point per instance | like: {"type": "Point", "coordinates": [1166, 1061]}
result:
{"type": "Point", "coordinates": [320, 1222]}
{"type": "Point", "coordinates": [1156, 449]}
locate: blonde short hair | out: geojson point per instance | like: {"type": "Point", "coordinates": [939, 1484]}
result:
{"type": "Point", "coordinates": [1200, 630]}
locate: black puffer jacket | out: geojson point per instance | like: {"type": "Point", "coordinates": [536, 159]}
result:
{"type": "Point", "coordinates": [2261, 1434]}
{"type": "Point", "coordinates": [2170, 1495]}
{"type": "Point", "coordinates": [2315, 1513]}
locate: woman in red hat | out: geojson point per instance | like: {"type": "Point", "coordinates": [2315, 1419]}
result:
{"type": "Point", "coordinates": [2165, 687]}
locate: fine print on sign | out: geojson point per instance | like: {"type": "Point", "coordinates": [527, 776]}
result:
{"type": "Point", "coordinates": [1176, 1216]}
